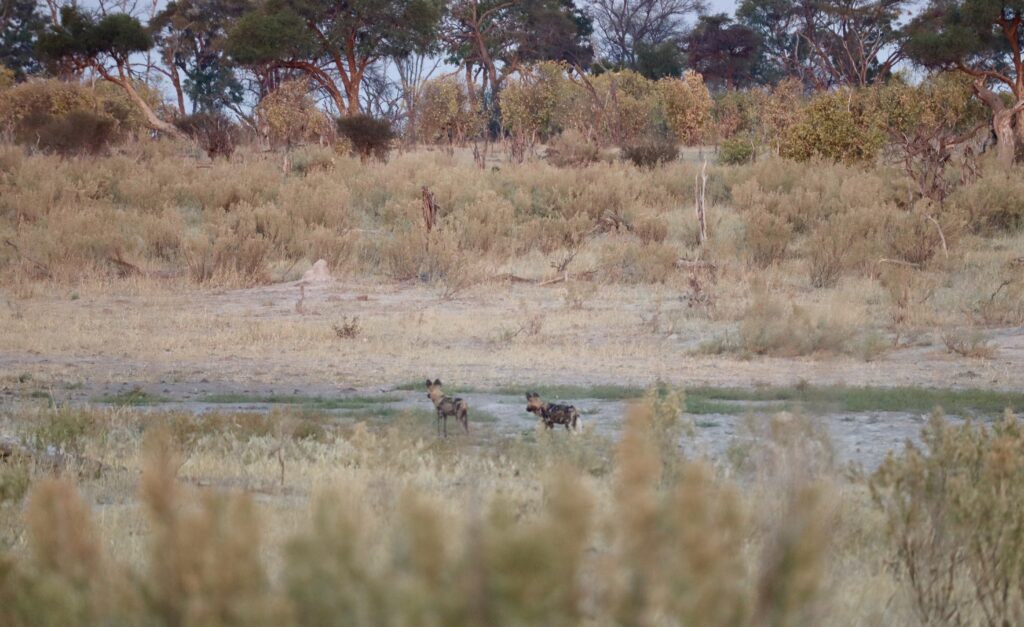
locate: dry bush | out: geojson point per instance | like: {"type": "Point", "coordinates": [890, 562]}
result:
{"type": "Point", "coordinates": [972, 344]}
{"type": "Point", "coordinates": [994, 203]}
{"type": "Point", "coordinates": [651, 229]}
{"type": "Point", "coordinates": [628, 260]}
{"type": "Point", "coordinates": [766, 237]}
{"type": "Point", "coordinates": [909, 289]}
{"type": "Point", "coordinates": [571, 149]}
{"type": "Point", "coordinates": [952, 515]}
{"type": "Point", "coordinates": [214, 132]}
{"type": "Point", "coordinates": [78, 132]}
{"type": "Point", "coordinates": [236, 254]}
{"type": "Point", "coordinates": [771, 327]}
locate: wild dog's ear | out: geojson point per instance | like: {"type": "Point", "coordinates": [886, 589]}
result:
{"type": "Point", "coordinates": [437, 382]}
{"type": "Point", "coordinates": [428, 383]}
{"type": "Point", "coordinates": [529, 396]}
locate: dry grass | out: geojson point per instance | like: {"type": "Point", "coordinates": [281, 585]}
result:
{"type": "Point", "coordinates": [387, 524]}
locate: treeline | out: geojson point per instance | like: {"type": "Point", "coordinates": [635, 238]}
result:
{"type": "Point", "coordinates": [453, 71]}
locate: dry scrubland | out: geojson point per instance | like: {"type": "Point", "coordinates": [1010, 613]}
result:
{"type": "Point", "coordinates": [146, 267]}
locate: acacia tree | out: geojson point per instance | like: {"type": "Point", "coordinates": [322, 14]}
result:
{"type": "Point", "coordinates": [190, 35]}
{"type": "Point", "coordinates": [493, 39]}
{"type": "Point", "coordinates": [105, 46]}
{"type": "Point", "coordinates": [721, 51]}
{"type": "Point", "coordinates": [828, 43]}
{"type": "Point", "coordinates": [631, 28]}
{"type": "Point", "coordinates": [333, 42]}
{"type": "Point", "coordinates": [983, 39]}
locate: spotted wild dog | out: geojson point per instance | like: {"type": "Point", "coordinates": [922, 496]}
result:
{"type": "Point", "coordinates": [447, 406]}
{"type": "Point", "coordinates": [551, 414]}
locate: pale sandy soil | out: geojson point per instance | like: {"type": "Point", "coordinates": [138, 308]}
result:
{"type": "Point", "coordinates": [490, 335]}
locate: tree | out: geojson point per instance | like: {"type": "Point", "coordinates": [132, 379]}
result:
{"type": "Point", "coordinates": [924, 124]}
{"type": "Point", "coordinates": [496, 38]}
{"type": "Point", "coordinates": [627, 26]}
{"type": "Point", "coordinates": [827, 43]}
{"type": "Point", "coordinates": [191, 35]}
{"type": "Point", "coordinates": [983, 39]}
{"type": "Point", "coordinates": [721, 51]}
{"type": "Point", "coordinates": [326, 39]}
{"type": "Point", "coordinates": [20, 21]}
{"type": "Point", "coordinates": [105, 46]}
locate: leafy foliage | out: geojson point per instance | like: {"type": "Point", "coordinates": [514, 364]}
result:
{"type": "Point", "coordinates": [651, 153]}
{"type": "Point", "coordinates": [214, 132]}
{"type": "Point", "coordinates": [370, 137]}
{"type": "Point", "coordinates": [288, 116]}
{"type": "Point", "coordinates": [837, 126]}
{"type": "Point", "coordinates": [687, 107]}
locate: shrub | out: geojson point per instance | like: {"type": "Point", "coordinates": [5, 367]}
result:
{"type": "Point", "coordinates": [214, 132]}
{"type": "Point", "coordinates": [771, 327]}
{"type": "Point", "coordinates": [79, 132]}
{"type": "Point", "coordinates": [44, 98]}
{"type": "Point", "coordinates": [736, 151]}
{"type": "Point", "coordinates": [952, 512]}
{"type": "Point", "coordinates": [835, 126]}
{"type": "Point", "coordinates": [687, 107]}
{"type": "Point", "coordinates": [767, 237]}
{"type": "Point", "coordinates": [571, 149]}
{"type": "Point", "coordinates": [994, 203]}
{"type": "Point", "coordinates": [445, 114]}
{"type": "Point", "coordinates": [288, 116]}
{"type": "Point", "coordinates": [651, 153]}
{"type": "Point", "coordinates": [370, 137]}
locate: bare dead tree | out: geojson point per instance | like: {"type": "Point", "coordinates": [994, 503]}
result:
{"type": "Point", "coordinates": [429, 212]}
{"type": "Point", "coordinates": [699, 186]}
{"type": "Point", "coordinates": [623, 24]}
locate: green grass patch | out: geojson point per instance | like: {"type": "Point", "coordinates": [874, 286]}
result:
{"type": "Point", "coordinates": [133, 397]}
{"type": "Point", "coordinates": [315, 402]}
{"type": "Point", "coordinates": [963, 402]}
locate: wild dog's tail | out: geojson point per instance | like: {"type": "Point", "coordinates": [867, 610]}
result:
{"type": "Point", "coordinates": [462, 413]}
{"type": "Point", "coordinates": [577, 421]}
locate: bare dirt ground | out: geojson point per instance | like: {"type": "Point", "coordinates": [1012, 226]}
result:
{"type": "Point", "coordinates": [491, 335]}
{"type": "Point", "coordinates": [184, 347]}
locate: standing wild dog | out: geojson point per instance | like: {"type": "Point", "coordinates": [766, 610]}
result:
{"type": "Point", "coordinates": [552, 415]}
{"type": "Point", "coordinates": [447, 406]}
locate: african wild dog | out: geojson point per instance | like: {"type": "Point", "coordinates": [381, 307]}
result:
{"type": "Point", "coordinates": [447, 406]}
{"type": "Point", "coordinates": [552, 415]}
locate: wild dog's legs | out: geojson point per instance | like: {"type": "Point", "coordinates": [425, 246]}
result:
{"type": "Point", "coordinates": [438, 423]}
{"type": "Point", "coordinates": [445, 421]}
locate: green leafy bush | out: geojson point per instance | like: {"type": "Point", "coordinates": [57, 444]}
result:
{"type": "Point", "coordinates": [836, 126]}
{"type": "Point", "coordinates": [79, 132]}
{"type": "Point", "coordinates": [369, 136]}
{"type": "Point", "coordinates": [651, 153]}
{"type": "Point", "coordinates": [214, 132]}
{"type": "Point", "coordinates": [736, 151]}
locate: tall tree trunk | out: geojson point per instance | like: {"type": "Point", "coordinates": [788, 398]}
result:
{"type": "Point", "coordinates": [1002, 123]}
{"type": "Point", "coordinates": [152, 120]}
{"type": "Point", "coordinates": [176, 82]}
